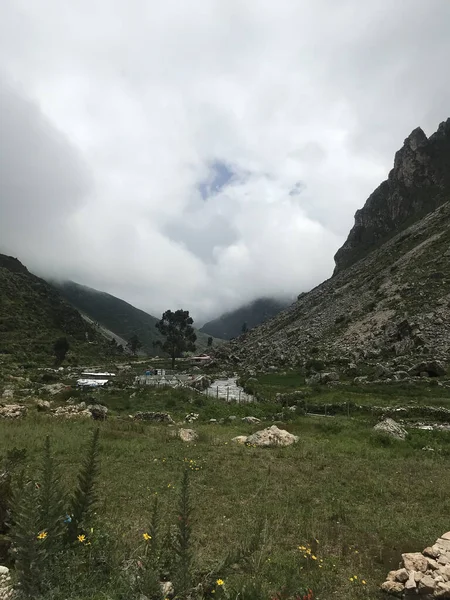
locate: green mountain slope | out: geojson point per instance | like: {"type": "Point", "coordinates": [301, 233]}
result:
{"type": "Point", "coordinates": [116, 315]}
{"type": "Point", "coordinates": [229, 325]}
{"type": "Point", "coordinates": [33, 315]}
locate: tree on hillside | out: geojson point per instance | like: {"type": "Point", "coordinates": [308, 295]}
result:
{"type": "Point", "coordinates": [180, 336]}
{"type": "Point", "coordinates": [60, 349]}
{"type": "Point", "coordinates": [134, 344]}
{"type": "Point", "coordinates": [244, 328]}
{"type": "Point", "coordinates": [210, 342]}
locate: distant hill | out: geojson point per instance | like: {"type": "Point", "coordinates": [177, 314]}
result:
{"type": "Point", "coordinates": [117, 316]}
{"type": "Point", "coordinates": [33, 315]}
{"type": "Point", "coordinates": [229, 325]}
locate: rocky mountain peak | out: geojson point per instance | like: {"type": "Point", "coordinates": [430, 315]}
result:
{"type": "Point", "coordinates": [416, 138]}
{"type": "Point", "coordinates": [12, 264]}
{"type": "Point", "coordinates": [418, 183]}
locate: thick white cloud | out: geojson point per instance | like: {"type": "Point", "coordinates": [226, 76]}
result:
{"type": "Point", "coordinates": [202, 154]}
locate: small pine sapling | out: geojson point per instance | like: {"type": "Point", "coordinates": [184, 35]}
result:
{"type": "Point", "coordinates": [84, 498]}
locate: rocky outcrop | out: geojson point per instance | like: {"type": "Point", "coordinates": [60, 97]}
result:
{"type": "Point", "coordinates": [422, 574]}
{"type": "Point", "coordinates": [417, 185]}
{"type": "Point", "coordinates": [393, 305]}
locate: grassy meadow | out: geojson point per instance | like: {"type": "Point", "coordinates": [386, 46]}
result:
{"type": "Point", "coordinates": [355, 499]}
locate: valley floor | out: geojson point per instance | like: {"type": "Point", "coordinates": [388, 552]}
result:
{"type": "Point", "coordinates": [365, 499]}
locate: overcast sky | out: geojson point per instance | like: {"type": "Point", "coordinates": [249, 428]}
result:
{"type": "Point", "coordinates": [201, 154]}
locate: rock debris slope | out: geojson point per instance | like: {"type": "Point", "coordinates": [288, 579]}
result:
{"type": "Point", "coordinates": [392, 303]}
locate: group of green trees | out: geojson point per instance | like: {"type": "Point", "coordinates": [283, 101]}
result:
{"type": "Point", "coordinates": [176, 329]}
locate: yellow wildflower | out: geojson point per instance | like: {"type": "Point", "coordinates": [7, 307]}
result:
{"type": "Point", "coordinates": [42, 535]}
{"type": "Point", "coordinates": [146, 537]}
{"type": "Point", "coordinates": [363, 582]}
{"type": "Point", "coordinates": [220, 582]}
{"type": "Point", "coordinates": [81, 538]}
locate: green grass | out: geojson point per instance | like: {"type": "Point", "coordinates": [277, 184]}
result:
{"type": "Point", "coordinates": [364, 498]}
{"type": "Point", "coordinates": [385, 394]}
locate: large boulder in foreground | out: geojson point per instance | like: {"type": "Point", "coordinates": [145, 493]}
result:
{"type": "Point", "coordinates": [272, 436]}
{"type": "Point", "coordinates": [391, 428]}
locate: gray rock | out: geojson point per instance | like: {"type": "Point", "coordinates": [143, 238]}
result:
{"type": "Point", "coordinates": [167, 589]}
{"type": "Point", "coordinates": [187, 435]}
{"type": "Point", "coordinates": [157, 417]}
{"type": "Point", "coordinates": [13, 411]}
{"type": "Point", "coordinates": [54, 388]}
{"type": "Point", "coordinates": [98, 412]}
{"type": "Point", "coordinates": [391, 428]}
{"type": "Point", "coordinates": [251, 420]}
{"type": "Point", "coordinates": [42, 405]}
{"type": "Point", "coordinates": [432, 368]}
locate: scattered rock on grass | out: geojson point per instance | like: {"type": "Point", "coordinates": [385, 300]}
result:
{"type": "Point", "coordinates": [272, 436]}
{"type": "Point", "coordinates": [191, 417]}
{"type": "Point", "coordinates": [391, 428]}
{"type": "Point", "coordinates": [98, 412]}
{"type": "Point", "coordinates": [13, 411]}
{"type": "Point", "coordinates": [42, 405]}
{"type": "Point", "coordinates": [158, 417]}
{"type": "Point", "coordinates": [73, 411]}
{"type": "Point", "coordinates": [187, 435]}
{"type": "Point", "coordinates": [251, 420]}
{"type": "Point", "coordinates": [54, 388]}
{"type": "Point", "coordinates": [240, 439]}
{"type": "Point", "coordinates": [167, 589]}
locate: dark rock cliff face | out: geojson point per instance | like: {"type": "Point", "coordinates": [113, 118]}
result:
{"type": "Point", "coordinates": [417, 185]}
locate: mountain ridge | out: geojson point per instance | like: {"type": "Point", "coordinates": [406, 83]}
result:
{"type": "Point", "coordinates": [415, 186]}
{"type": "Point", "coordinates": [116, 315]}
{"type": "Point", "coordinates": [33, 315]}
{"type": "Point", "coordinates": [229, 324]}
{"type": "Point", "coordinates": [391, 304]}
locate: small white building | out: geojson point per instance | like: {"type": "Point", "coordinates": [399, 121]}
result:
{"type": "Point", "coordinates": [91, 379]}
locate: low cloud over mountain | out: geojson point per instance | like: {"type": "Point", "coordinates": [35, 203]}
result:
{"type": "Point", "coordinates": [202, 155]}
